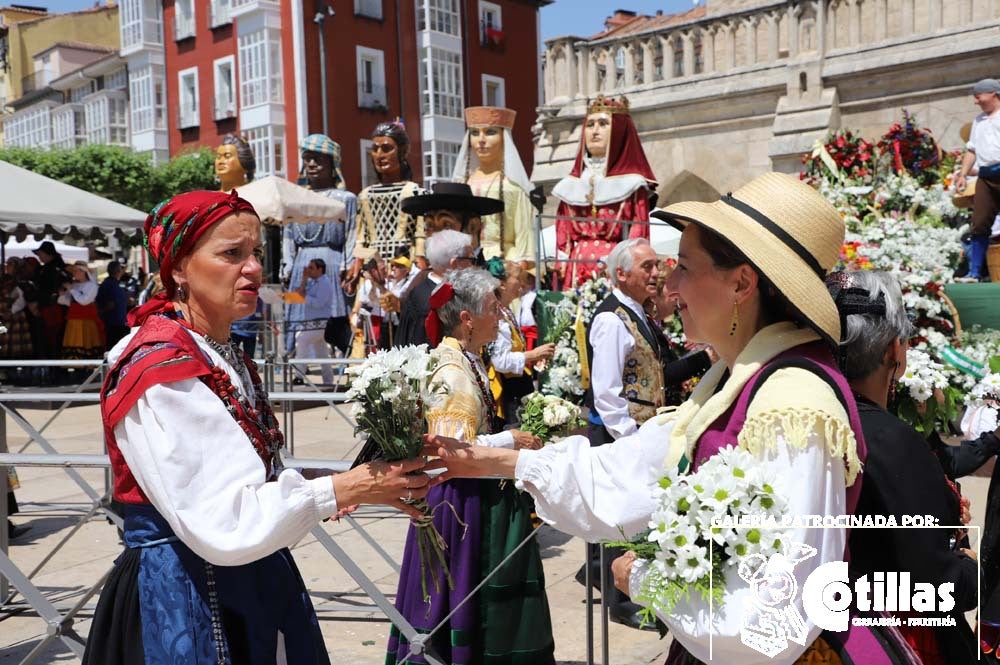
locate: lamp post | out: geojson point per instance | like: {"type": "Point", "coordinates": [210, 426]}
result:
{"type": "Point", "coordinates": [318, 19]}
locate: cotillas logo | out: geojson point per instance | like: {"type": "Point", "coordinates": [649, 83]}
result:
{"type": "Point", "coordinates": [770, 617]}
{"type": "Point", "coordinates": [771, 620]}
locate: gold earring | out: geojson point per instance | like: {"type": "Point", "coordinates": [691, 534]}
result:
{"type": "Point", "coordinates": [736, 319]}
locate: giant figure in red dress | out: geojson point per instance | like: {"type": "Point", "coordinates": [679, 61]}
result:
{"type": "Point", "coordinates": [610, 183]}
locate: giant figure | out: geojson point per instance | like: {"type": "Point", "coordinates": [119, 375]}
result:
{"type": "Point", "coordinates": [610, 184]}
{"type": "Point", "coordinates": [332, 241]}
{"type": "Point", "coordinates": [489, 163]}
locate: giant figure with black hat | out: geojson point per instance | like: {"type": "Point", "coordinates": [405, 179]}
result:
{"type": "Point", "coordinates": [450, 207]}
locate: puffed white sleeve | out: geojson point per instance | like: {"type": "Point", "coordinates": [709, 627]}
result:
{"type": "Point", "coordinates": [593, 492]}
{"type": "Point", "coordinates": [612, 343]}
{"type": "Point", "coordinates": [812, 481]}
{"type": "Point", "coordinates": [200, 471]}
{"type": "Point", "coordinates": [503, 359]}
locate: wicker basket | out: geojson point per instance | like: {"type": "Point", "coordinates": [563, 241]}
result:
{"type": "Point", "coordinates": [955, 318]}
{"type": "Point", "coordinates": [993, 261]}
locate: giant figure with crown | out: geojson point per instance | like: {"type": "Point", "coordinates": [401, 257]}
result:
{"type": "Point", "coordinates": [605, 198]}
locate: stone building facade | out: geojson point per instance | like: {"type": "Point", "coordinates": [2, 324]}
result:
{"type": "Point", "coordinates": [734, 88]}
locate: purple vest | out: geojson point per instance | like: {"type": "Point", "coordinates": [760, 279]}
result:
{"type": "Point", "coordinates": [872, 646]}
{"type": "Point", "coordinates": [724, 431]}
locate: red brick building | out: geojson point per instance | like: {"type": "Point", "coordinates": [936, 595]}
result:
{"type": "Point", "coordinates": [200, 69]}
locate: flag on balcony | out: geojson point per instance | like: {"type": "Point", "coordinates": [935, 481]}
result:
{"type": "Point", "coordinates": [493, 36]}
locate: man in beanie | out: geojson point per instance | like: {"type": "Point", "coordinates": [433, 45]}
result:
{"type": "Point", "coordinates": [982, 156]}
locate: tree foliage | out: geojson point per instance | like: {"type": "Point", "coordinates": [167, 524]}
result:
{"type": "Point", "coordinates": [118, 173]}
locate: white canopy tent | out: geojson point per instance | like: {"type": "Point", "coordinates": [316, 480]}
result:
{"type": "Point", "coordinates": [31, 204]}
{"type": "Point", "coordinates": [664, 239]}
{"type": "Point", "coordinates": [25, 248]}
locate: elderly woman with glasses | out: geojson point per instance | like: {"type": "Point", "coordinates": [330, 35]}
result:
{"type": "Point", "coordinates": [482, 521]}
{"type": "Point", "coordinates": [903, 476]}
{"type": "Point", "coordinates": [210, 513]}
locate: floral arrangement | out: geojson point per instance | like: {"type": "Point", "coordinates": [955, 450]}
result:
{"type": "Point", "coordinates": [691, 545]}
{"type": "Point", "coordinates": [548, 416]}
{"type": "Point", "coordinates": [388, 391]}
{"type": "Point", "coordinates": [843, 156]}
{"type": "Point", "coordinates": [984, 401]}
{"type": "Point", "coordinates": [902, 220]}
{"type": "Point", "coordinates": [911, 149]}
{"type": "Point", "coordinates": [576, 310]}
{"type": "Point", "coordinates": [926, 399]}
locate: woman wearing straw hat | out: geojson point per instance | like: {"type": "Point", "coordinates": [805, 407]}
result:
{"type": "Point", "coordinates": [750, 283]}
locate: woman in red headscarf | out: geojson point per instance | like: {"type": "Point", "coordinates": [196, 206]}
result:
{"type": "Point", "coordinates": [610, 184]}
{"type": "Point", "coordinates": [206, 577]}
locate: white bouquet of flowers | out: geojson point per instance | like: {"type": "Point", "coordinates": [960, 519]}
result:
{"type": "Point", "coordinates": [923, 375]}
{"type": "Point", "coordinates": [548, 416]}
{"type": "Point", "coordinates": [574, 312]}
{"type": "Point", "coordinates": [387, 389]}
{"type": "Point", "coordinates": [984, 405]}
{"type": "Point", "coordinates": [699, 530]}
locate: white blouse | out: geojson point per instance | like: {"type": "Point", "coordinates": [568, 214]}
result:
{"type": "Point", "coordinates": [84, 292]}
{"type": "Point", "coordinates": [204, 477]}
{"type": "Point", "coordinates": [502, 357]}
{"type": "Point", "coordinates": [591, 492]}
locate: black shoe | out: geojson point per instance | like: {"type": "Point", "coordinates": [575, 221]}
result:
{"type": "Point", "coordinates": [627, 616]}
{"type": "Point", "coordinates": [595, 575]}
{"type": "Point", "coordinates": [15, 531]}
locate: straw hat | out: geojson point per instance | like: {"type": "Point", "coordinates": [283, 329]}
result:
{"type": "Point", "coordinates": [964, 200]}
{"type": "Point", "coordinates": [787, 231]}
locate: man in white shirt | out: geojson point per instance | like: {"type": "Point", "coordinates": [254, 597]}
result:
{"type": "Point", "coordinates": [625, 349]}
{"type": "Point", "coordinates": [317, 290]}
{"type": "Point", "coordinates": [983, 155]}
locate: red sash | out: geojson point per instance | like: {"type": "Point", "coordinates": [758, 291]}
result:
{"type": "Point", "coordinates": [162, 351]}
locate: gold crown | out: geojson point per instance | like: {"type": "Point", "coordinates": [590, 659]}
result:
{"type": "Point", "coordinates": [608, 105]}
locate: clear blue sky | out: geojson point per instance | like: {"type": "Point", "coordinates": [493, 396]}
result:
{"type": "Point", "coordinates": [563, 17]}
{"type": "Point", "coordinates": [586, 17]}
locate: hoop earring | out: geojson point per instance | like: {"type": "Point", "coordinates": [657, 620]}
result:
{"type": "Point", "coordinates": [736, 319]}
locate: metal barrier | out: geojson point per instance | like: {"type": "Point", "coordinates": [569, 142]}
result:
{"type": "Point", "coordinates": [59, 621]}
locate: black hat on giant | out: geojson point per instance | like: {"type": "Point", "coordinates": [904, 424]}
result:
{"type": "Point", "coordinates": [452, 196]}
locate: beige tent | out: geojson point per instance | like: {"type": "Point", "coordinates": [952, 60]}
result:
{"type": "Point", "coordinates": [278, 201]}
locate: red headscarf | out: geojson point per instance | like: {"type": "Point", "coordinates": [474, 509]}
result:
{"type": "Point", "coordinates": [625, 154]}
{"type": "Point", "coordinates": [171, 231]}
